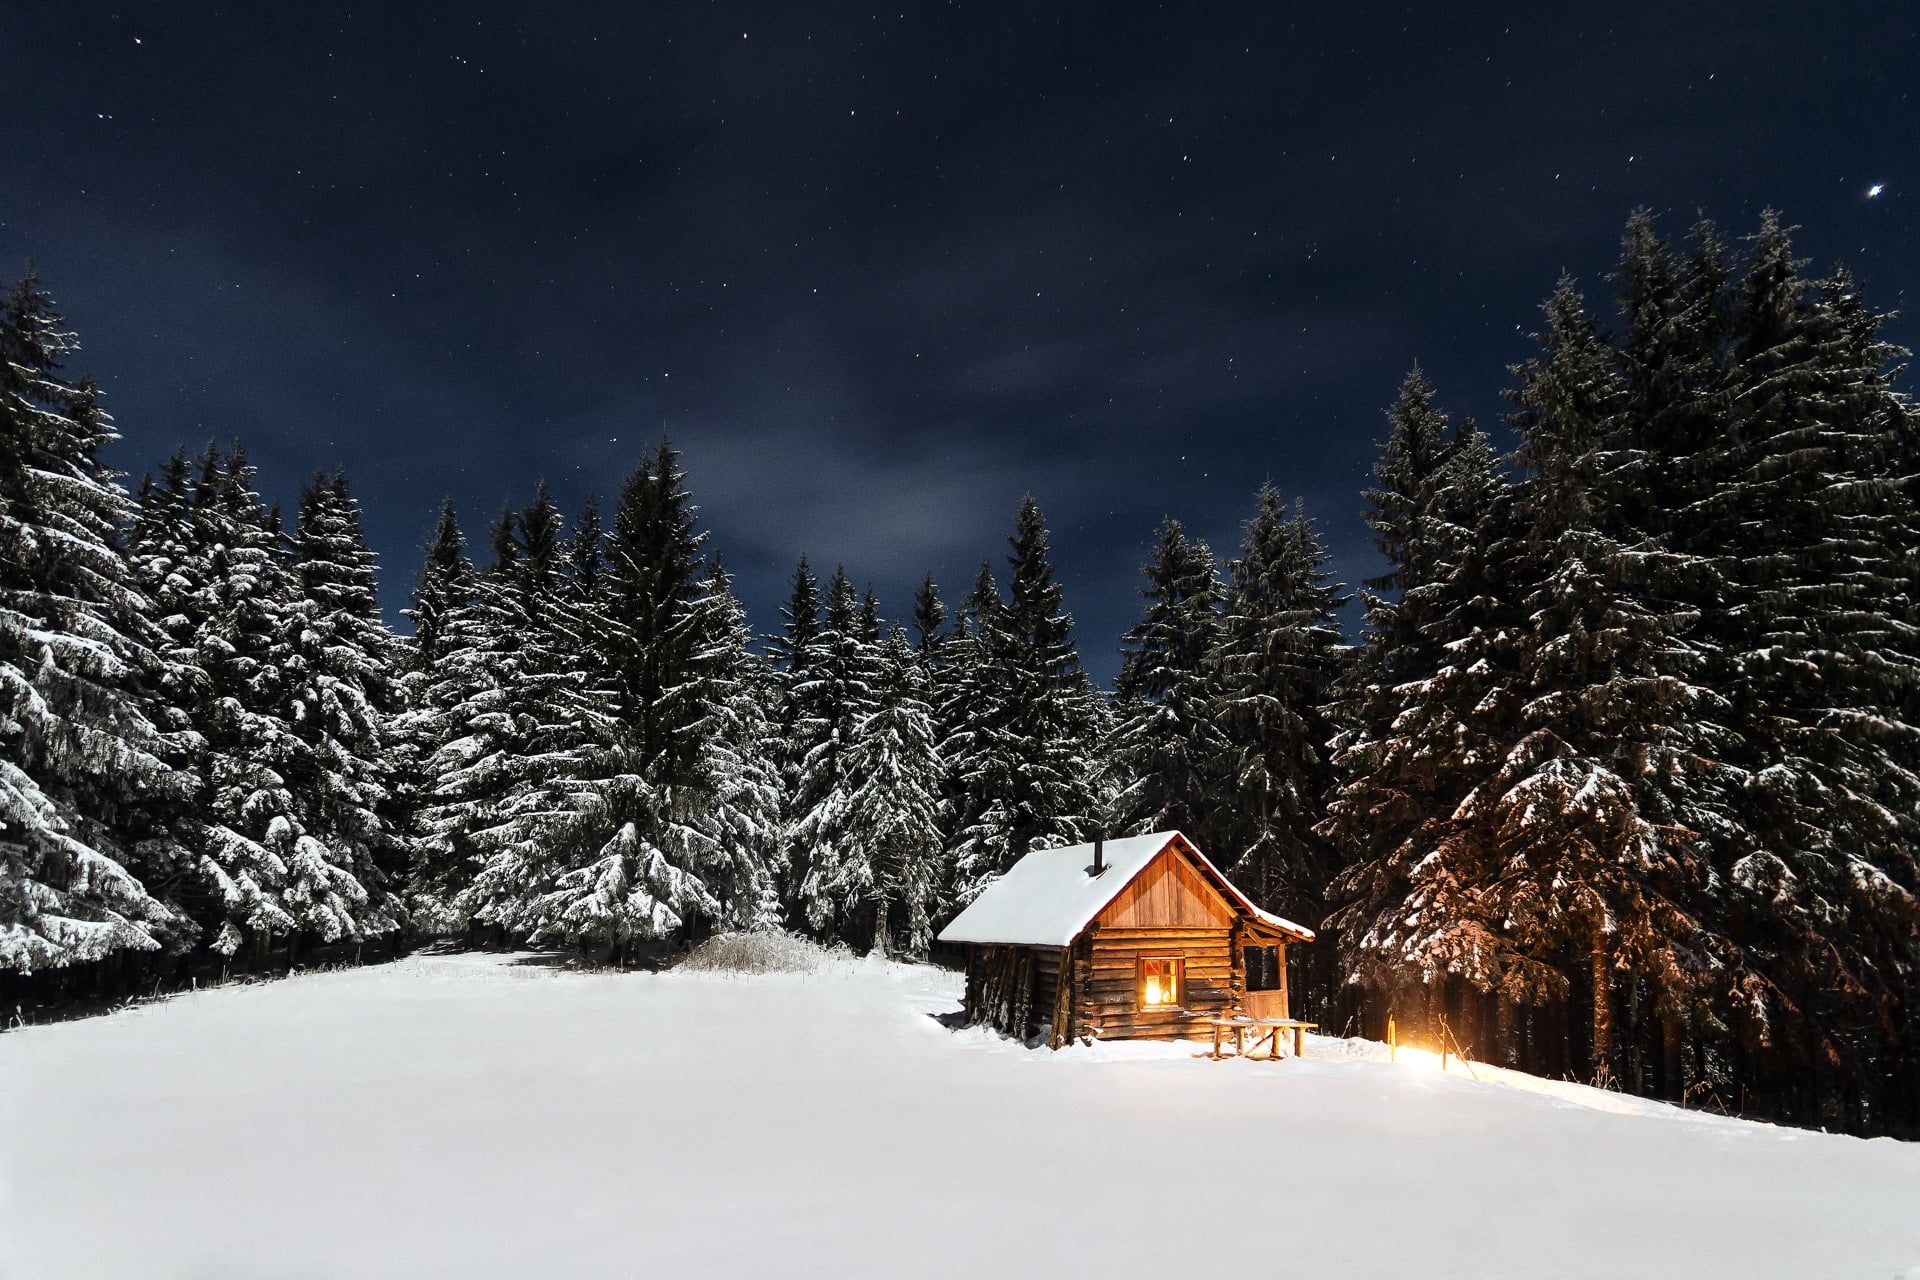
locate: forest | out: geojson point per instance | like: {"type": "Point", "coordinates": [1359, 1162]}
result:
{"type": "Point", "coordinates": [1617, 777]}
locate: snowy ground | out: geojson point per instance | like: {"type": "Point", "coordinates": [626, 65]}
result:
{"type": "Point", "coordinates": [465, 1116]}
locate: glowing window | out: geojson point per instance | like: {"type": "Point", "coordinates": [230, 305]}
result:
{"type": "Point", "coordinates": [1162, 981]}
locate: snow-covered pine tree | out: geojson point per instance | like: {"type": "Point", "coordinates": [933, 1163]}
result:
{"type": "Point", "coordinates": [1168, 749]}
{"type": "Point", "coordinates": [445, 583]}
{"type": "Point", "coordinates": [1589, 827]}
{"type": "Point", "coordinates": [1823, 665]}
{"type": "Point", "coordinates": [443, 586]}
{"type": "Point", "coordinates": [892, 807]}
{"type": "Point", "coordinates": [962, 698]}
{"type": "Point", "coordinates": [743, 809]}
{"type": "Point", "coordinates": [1420, 704]}
{"type": "Point", "coordinates": [587, 551]}
{"type": "Point", "coordinates": [1279, 655]}
{"type": "Point", "coordinates": [88, 782]}
{"type": "Point", "coordinates": [623, 823]}
{"type": "Point", "coordinates": [929, 617]}
{"type": "Point", "coordinates": [470, 740]}
{"type": "Point", "coordinates": [231, 594]}
{"type": "Point", "coordinates": [1033, 758]}
{"type": "Point", "coordinates": [831, 699]}
{"type": "Point", "coordinates": [340, 690]}
{"type": "Point", "coordinates": [564, 727]}
{"type": "Point", "coordinates": [788, 651]}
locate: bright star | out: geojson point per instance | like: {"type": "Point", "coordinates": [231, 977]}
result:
{"type": "Point", "coordinates": [1875, 190]}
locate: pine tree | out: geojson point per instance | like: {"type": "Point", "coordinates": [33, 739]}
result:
{"type": "Point", "coordinates": [1822, 663]}
{"type": "Point", "coordinates": [744, 812]}
{"type": "Point", "coordinates": [587, 551]}
{"type": "Point", "coordinates": [471, 739]}
{"type": "Point", "coordinates": [444, 584]}
{"type": "Point", "coordinates": [1421, 702]}
{"type": "Point", "coordinates": [929, 616]}
{"type": "Point", "coordinates": [789, 651]}
{"type": "Point", "coordinates": [340, 696]}
{"type": "Point", "coordinates": [1279, 656]}
{"type": "Point", "coordinates": [1033, 758]}
{"type": "Point", "coordinates": [1169, 745]}
{"type": "Point", "coordinates": [833, 696]}
{"type": "Point", "coordinates": [623, 817]}
{"type": "Point", "coordinates": [890, 807]}
{"type": "Point", "coordinates": [88, 781]}
{"type": "Point", "coordinates": [1589, 825]}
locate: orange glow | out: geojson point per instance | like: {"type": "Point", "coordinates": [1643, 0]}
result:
{"type": "Point", "coordinates": [1159, 982]}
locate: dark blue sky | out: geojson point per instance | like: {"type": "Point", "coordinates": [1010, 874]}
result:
{"type": "Point", "coordinates": [879, 272]}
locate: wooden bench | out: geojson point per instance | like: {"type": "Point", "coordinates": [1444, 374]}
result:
{"type": "Point", "coordinates": [1268, 1029]}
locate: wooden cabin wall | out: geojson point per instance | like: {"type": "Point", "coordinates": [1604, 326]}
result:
{"type": "Point", "coordinates": [1169, 892]}
{"type": "Point", "coordinates": [1014, 990]}
{"type": "Point", "coordinates": [1108, 1004]}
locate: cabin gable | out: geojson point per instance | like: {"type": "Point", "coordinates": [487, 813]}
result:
{"type": "Point", "coordinates": [1169, 893]}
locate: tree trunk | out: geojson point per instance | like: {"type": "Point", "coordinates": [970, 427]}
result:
{"type": "Point", "coordinates": [882, 945]}
{"type": "Point", "coordinates": [1602, 1010]}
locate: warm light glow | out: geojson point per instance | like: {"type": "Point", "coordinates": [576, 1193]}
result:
{"type": "Point", "coordinates": [1407, 1055]}
{"type": "Point", "coordinates": [1159, 982]}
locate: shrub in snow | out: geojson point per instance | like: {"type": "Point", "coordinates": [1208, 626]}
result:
{"type": "Point", "coordinates": [758, 952]}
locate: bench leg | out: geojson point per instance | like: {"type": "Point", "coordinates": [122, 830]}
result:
{"type": "Point", "coordinates": [1299, 1042]}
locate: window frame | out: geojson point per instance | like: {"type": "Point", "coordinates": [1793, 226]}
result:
{"type": "Point", "coordinates": [1177, 967]}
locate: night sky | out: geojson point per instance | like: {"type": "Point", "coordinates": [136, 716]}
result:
{"type": "Point", "coordinates": [880, 272]}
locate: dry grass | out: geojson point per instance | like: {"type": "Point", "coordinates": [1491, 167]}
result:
{"type": "Point", "coordinates": [761, 952]}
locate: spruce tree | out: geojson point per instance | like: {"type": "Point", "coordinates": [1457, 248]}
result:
{"type": "Point", "coordinates": [744, 811]}
{"type": "Point", "coordinates": [624, 816]}
{"type": "Point", "coordinates": [88, 781]}
{"type": "Point", "coordinates": [1279, 656]}
{"type": "Point", "coordinates": [1033, 757]}
{"type": "Point", "coordinates": [340, 695]}
{"type": "Point", "coordinates": [444, 583]}
{"type": "Point", "coordinates": [472, 738]}
{"type": "Point", "coordinates": [831, 699]}
{"type": "Point", "coordinates": [1169, 747]}
{"type": "Point", "coordinates": [438, 669]}
{"type": "Point", "coordinates": [929, 616]}
{"type": "Point", "coordinates": [890, 805]}
{"type": "Point", "coordinates": [1420, 703]}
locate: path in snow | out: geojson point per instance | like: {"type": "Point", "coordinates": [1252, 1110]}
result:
{"type": "Point", "coordinates": [466, 1117]}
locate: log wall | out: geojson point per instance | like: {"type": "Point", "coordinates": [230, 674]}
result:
{"type": "Point", "coordinates": [1107, 1005]}
{"type": "Point", "coordinates": [1016, 990]}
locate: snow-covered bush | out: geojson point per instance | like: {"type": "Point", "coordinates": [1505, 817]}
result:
{"type": "Point", "coordinates": [763, 951]}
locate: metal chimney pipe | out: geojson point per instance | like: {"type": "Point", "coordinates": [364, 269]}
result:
{"type": "Point", "coordinates": [1099, 853]}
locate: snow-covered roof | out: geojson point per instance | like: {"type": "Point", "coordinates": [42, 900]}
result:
{"type": "Point", "coordinates": [1048, 897]}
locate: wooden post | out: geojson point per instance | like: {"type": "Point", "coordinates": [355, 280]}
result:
{"type": "Point", "coordinates": [1280, 962]}
{"type": "Point", "coordinates": [1393, 1043]}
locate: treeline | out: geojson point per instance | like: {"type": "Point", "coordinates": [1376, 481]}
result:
{"type": "Point", "coordinates": [1621, 781]}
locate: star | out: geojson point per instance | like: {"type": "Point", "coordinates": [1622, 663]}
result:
{"type": "Point", "coordinates": [1873, 192]}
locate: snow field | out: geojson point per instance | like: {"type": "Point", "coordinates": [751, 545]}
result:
{"type": "Point", "coordinates": [471, 1116]}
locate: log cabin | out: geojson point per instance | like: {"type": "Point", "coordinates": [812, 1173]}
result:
{"type": "Point", "coordinates": [1119, 939]}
